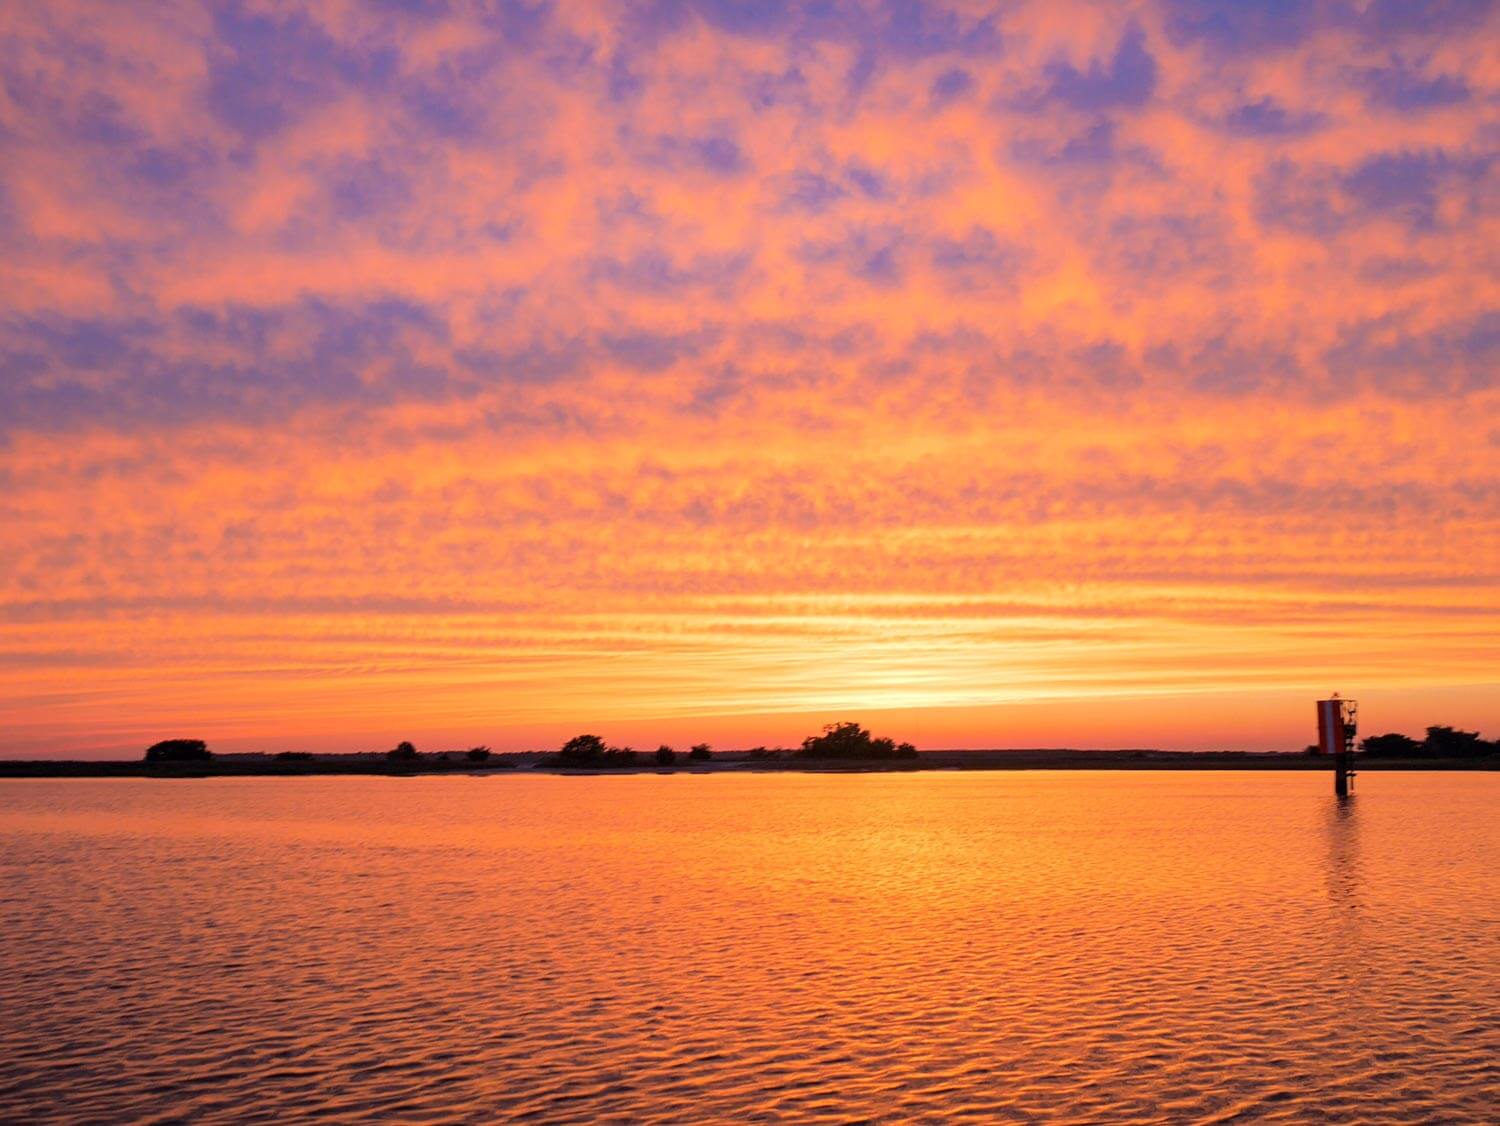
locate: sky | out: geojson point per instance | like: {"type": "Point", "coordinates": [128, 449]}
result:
{"type": "Point", "coordinates": [1021, 374]}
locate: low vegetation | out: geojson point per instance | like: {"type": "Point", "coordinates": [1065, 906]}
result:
{"type": "Point", "coordinates": [590, 752]}
{"type": "Point", "coordinates": [179, 750]}
{"type": "Point", "coordinates": [1441, 742]}
{"type": "Point", "coordinates": [837, 741]}
{"type": "Point", "coordinates": [851, 741]}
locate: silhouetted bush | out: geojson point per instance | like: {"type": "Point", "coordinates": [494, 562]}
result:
{"type": "Point", "coordinates": [763, 754]}
{"type": "Point", "coordinates": [590, 751]}
{"type": "Point", "coordinates": [294, 756]}
{"type": "Point", "coordinates": [1441, 742]}
{"type": "Point", "coordinates": [665, 755]}
{"type": "Point", "coordinates": [850, 740]}
{"type": "Point", "coordinates": [179, 750]}
{"type": "Point", "coordinates": [1391, 745]}
{"type": "Point", "coordinates": [1448, 742]}
{"type": "Point", "coordinates": [701, 752]}
{"type": "Point", "coordinates": [403, 752]}
{"type": "Point", "coordinates": [582, 750]}
{"type": "Point", "coordinates": [479, 754]}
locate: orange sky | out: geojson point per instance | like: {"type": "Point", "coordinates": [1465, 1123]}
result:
{"type": "Point", "coordinates": [1027, 375]}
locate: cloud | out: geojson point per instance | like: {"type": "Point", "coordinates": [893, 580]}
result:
{"type": "Point", "coordinates": [871, 255]}
{"type": "Point", "coordinates": [1408, 90]}
{"type": "Point", "coordinates": [951, 85]}
{"type": "Point", "coordinates": [1388, 18]}
{"type": "Point", "coordinates": [652, 271]}
{"type": "Point", "coordinates": [1266, 118]}
{"type": "Point", "coordinates": [1409, 186]}
{"type": "Point", "coordinates": [1453, 358]}
{"type": "Point", "coordinates": [1236, 26]}
{"type": "Point", "coordinates": [976, 260]}
{"type": "Point", "coordinates": [808, 191]}
{"type": "Point", "coordinates": [1422, 190]}
{"type": "Point", "coordinates": [1127, 80]}
{"type": "Point", "coordinates": [1167, 247]}
{"type": "Point", "coordinates": [251, 365]}
{"type": "Point", "coordinates": [406, 338]}
{"type": "Point", "coordinates": [266, 73]}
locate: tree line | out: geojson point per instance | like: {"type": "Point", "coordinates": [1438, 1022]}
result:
{"type": "Point", "coordinates": [836, 741]}
{"type": "Point", "coordinates": [1441, 742]}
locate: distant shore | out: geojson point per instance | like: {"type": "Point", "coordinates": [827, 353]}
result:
{"type": "Point", "coordinates": [255, 766]}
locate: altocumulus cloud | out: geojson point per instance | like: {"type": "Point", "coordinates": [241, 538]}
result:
{"type": "Point", "coordinates": [523, 313]}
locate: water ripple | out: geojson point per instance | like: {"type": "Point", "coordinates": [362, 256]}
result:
{"type": "Point", "coordinates": [1076, 947]}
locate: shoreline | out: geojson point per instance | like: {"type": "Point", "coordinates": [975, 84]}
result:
{"type": "Point", "coordinates": [729, 762]}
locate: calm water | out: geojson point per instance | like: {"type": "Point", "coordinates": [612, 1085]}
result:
{"type": "Point", "coordinates": [1102, 947]}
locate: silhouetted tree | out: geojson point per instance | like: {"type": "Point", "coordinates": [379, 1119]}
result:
{"type": "Point", "coordinates": [1448, 742]}
{"type": "Point", "coordinates": [403, 752]}
{"type": "Point", "coordinates": [294, 756]}
{"type": "Point", "coordinates": [179, 750]}
{"type": "Point", "coordinates": [701, 752]}
{"type": "Point", "coordinates": [1390, 745]}
{"type": "Point", "coordinates": [582, 750]}
{"type": "Point", "coordinates": [591, 751]}
{"type": "Point", "coordinates": [665, 755]}
{"type": "Point", "coordinates": [479, 754]}
{"type": "Point", "coordinates": [850, 740]}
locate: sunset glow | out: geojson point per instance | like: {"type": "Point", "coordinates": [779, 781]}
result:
{"type": "Point", "coordinates": [1037, 374]}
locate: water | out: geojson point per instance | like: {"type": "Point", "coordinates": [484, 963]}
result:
{"type": "Point", "coordinates": [1103, 947]}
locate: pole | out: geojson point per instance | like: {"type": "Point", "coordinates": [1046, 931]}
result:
{"type": "Point", "coordinates": [1341, 774]}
